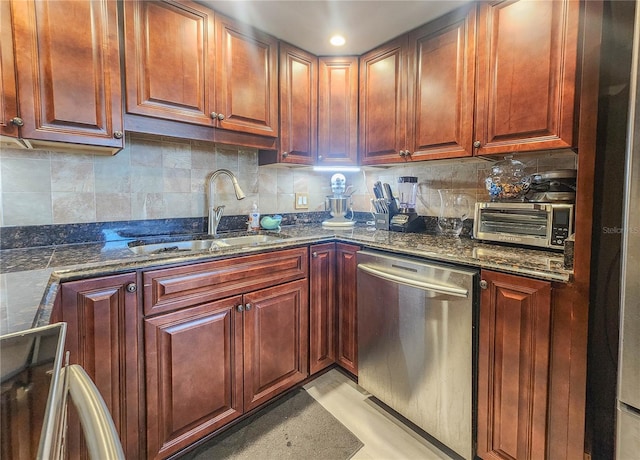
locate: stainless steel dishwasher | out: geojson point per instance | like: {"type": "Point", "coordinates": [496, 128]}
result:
{"type": "Point", "coordinates": [416, 344]}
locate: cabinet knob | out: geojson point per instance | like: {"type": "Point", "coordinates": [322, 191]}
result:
{"type": "Point", "coordinates": [247, 307]}
{"type": "Point", "coordinates": [401, 153]}
{"type": "Point", "coordinates": [220, 117]}
{"type": "Point", "coordinates": [132, 287]}
{"type": "Point", "coordinates": [477, 144]}
{"type": "Point", "coordinates": [285, 154]}
{"type": "Point", "coordinates": [17, 121]}
{"type": "Point", "coordinates": [320, 158]}
{"type": "Point", "coordinates": [314, 254]}
{"type": "Point", "coordinates": [240, 308]}
{"type": "Point", "coordinates": [483, 284]}
{"type": "Point", "coordinates": [214, 115]}
{"type": "Point", "coordinates": [118, 134]}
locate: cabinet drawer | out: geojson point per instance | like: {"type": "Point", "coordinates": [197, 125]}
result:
{"type": "Point", "coordinates": [173, 288]}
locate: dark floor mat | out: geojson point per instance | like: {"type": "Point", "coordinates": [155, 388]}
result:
{"type": "Point", "coordinates": [295, 427]}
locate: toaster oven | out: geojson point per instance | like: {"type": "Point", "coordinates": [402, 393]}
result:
{"type": "Point", "coordinates": [544, 225]}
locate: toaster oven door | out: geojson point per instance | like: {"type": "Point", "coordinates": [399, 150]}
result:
{"type": "Point", "coordinates": [519, 223]}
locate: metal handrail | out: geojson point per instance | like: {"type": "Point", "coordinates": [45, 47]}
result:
{"type": "Point", "coordinates": [98, 427]}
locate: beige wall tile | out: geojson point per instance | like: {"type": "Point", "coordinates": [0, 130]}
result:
{"type": "Point", "coordinates": [176, 180]}
{"type": "Point", "coordinates": [176, 155]}
{"type": "Point", "coordinates": [177, 205]}
{"type": "Point", "coordinates": [24, 154]}
{"type": "Point", "coordinates": [203, 155]}
{"type": "Point", "coordinates": [147, 179]}
{"type": "Point", "coordinates": [113, 174]}
{"type": "Point", "coordinates": [113, 207]}
{"type": "Point", "coordinates": [71, 207]}
{"type": "Point", "coordinates": [145, 152]}
{"type": "Point", "coordinates": [268, 179]}
{"type": "Point", "coordinates": [72, 175]}
{"type": "Point", "coordinates": [26, 208]}
{"type": "Point", "coordinates": [147, 206]}
{"type": "Point", "coordinates": [26, 175]}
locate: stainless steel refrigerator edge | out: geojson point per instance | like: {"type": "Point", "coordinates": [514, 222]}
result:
{"type": "Point", "coordinates": [628, 413]}
{"type": "Point", "coordinates": [416, 344]}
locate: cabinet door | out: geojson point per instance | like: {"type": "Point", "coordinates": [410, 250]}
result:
{"type": "Point", "coordinates": [298, 105]}
{"type": "Point", "coordinates": [322, 306]}
{"type": "Point", "coordinates": [441, 87]}
{"type": "Point", "coordinates": [68, 64]}
{"type": "Point", "coordinates": [513, 367]}
{"type": "Point", "coordinates": [276, 341]}
{"type": "Point", "coordinates": [169, 60]}
{"type": "Point", "coordinates": [193, 373]}
{"type": "Point", "coordinates": [338, 111]}
{"type": "Point", "coordinates": [246, 78]}
{"type": "Point", "coordinates": [383, 103]}
{"type": "Point", "coordinates": [8, 94]}
{"type": "Point", "coordinates": [347, 333]}
{"type": "Point", "coordinates": [526, 75]}
{"type": "Point", "coordinates": [102, 336]}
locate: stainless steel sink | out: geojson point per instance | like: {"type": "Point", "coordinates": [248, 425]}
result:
{"type": "Point", "coordinates": [205, 245]}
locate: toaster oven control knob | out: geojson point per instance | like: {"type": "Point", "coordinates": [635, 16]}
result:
{"type": "Point", "coordinates": [484, 284]}
{"type": "Point", "coordinates": [477, 144]}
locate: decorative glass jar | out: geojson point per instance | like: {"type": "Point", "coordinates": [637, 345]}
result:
{"type": "Point", "coordinates": [508, 180]}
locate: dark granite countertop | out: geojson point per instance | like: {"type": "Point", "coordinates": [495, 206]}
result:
{"type": "Point", "coordinates": [29, 277]}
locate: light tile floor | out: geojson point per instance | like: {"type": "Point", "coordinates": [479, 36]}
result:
{"type": "Point", "coordinates": [384, 437]}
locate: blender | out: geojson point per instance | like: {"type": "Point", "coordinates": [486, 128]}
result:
{"type": "Point", "coordinates": [339, 204]}
{"type": "Point", "coordinates": [407, 219]}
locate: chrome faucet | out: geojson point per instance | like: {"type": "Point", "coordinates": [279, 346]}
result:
{"type": "Point", "coordinates": [215, 213]}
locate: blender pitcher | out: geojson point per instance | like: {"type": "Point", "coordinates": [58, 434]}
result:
{"type": "Point", "coordinates": [454, 210]}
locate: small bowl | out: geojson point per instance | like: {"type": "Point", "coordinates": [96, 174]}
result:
{"type": "Point", "coordinates": [271, 223]}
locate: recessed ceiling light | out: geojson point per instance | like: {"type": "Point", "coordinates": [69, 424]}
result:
{"type": "Point", "coordinates": [337, 40]}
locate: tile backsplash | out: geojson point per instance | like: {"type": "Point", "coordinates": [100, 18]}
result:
{"type": "Point", "coordinates": [158, 178]}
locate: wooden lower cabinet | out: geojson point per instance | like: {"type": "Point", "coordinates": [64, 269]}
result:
{"type": "Point", "coordinates": [193, 374]}
{"type": "Point", "coordinates": [322, 306]}
{"type": "Point", "coordinates": [513, 367]}
{"type": "Point", "coordinates": [102, 336]}
{"type": "Point", "coordinates": [347, 333]}
{"type": "Point", "coordinates": [276, 328]}
{"type": "Point", "coordinates": [208, 364]}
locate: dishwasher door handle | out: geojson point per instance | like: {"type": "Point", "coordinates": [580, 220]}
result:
{"type": "Point", "coordinates": [426, 286]}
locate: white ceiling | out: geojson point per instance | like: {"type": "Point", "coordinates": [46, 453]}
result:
{"type": "Point", "coordinates": [309, 24]}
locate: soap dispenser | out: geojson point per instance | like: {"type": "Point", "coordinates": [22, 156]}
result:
{"type": "Point", "coordinates": [254, 218]}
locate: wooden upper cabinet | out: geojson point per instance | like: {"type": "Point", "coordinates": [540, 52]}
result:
{"type": "Point", "coordinates": [383, 103]}
{"type": "Point", "coordinates": [513, 367]}
{"type": "Point", "coordinates": [246, 78]}
{"type": "Point", "coordinates": [441, 87]}
{"type": "Point", "coordinates": [298, 105]}
{"type": "Point", "coordinates": [8, 94]}
{"type": "Point", "coordinates": [68, 67]}
{"type": "Point", "coordinates": [338, 111]}
{"type": "Point", "coordinates": [527, 57]}
{"type": "Point", "coordinates": [169, 60]}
